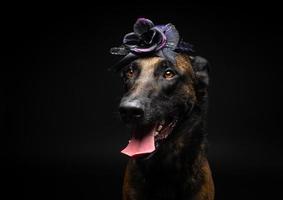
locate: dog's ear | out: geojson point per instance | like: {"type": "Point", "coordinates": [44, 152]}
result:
{"type": "Point", "coordinates": [201, 68]}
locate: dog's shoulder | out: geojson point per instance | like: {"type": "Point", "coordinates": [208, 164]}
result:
{"type": "Point", "coordinates": [206, 190]}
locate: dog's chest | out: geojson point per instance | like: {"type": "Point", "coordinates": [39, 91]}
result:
{"type": "Point", "coordinates": [159, 183]}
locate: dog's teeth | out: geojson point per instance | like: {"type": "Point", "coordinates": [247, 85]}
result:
{"type": "Point", "coordinates": [155, 133]}
{"type": "Point", "coordinates": [172, 124]}
{"type": "Point", "coordinates": [159, 127]}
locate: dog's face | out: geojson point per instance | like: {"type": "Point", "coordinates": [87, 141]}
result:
{"type": "Point", "coordinates": [157, 94]}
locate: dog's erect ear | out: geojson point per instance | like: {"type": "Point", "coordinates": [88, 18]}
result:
{"type": "Point", "coordinates": [201, 68]}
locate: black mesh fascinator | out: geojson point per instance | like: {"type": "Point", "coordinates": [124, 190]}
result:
{"type": "Point", "coordinates": [149, 39]}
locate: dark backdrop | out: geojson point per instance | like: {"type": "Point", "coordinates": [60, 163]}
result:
{"type": "Point", "coordinates": [61, 135]}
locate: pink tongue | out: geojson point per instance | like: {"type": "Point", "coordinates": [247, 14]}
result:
{"type": "Point", "coordinates": [140, 145]}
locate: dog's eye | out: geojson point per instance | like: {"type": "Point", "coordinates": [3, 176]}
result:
{"type": "Point", "coordinates": [169, 74]}
{"type": "Point", "coordinates": [129, 73]}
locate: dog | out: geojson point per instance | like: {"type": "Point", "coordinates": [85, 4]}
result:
{"type": "Point", "coordinates": [165, 105]}
{"type": "Point", "coordinates": [170, 101]}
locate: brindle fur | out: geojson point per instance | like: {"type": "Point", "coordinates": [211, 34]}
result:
{"type": "Point", "coordinates": [179, 169]}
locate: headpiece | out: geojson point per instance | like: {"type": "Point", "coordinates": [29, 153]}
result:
{"type": "Point", "coordinates": [149, 39]}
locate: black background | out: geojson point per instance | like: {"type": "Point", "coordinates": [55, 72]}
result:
{"type": "Point", "coordinates": [61, 135]}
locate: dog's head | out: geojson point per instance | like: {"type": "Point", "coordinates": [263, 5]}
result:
{"type": "Point", "coordinates": [162, 83]}
{"type": "Point", "coordinates": [158, 94]}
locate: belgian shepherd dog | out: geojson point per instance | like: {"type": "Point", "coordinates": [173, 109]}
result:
{"type": "Point", "coordinates": [165, 105]}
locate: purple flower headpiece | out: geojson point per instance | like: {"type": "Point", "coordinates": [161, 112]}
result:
{"type": "Point", "coordinates": [147, 39]}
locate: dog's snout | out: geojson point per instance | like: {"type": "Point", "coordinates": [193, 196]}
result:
{"type": "Point", "coordinates": [131, 110]}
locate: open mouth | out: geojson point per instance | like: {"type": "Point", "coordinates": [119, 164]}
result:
{"type": "Point", "coordinates": [145, 139]}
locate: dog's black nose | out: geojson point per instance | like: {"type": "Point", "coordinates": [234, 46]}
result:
{"type": "Point", "coordinates": [131, 110]}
